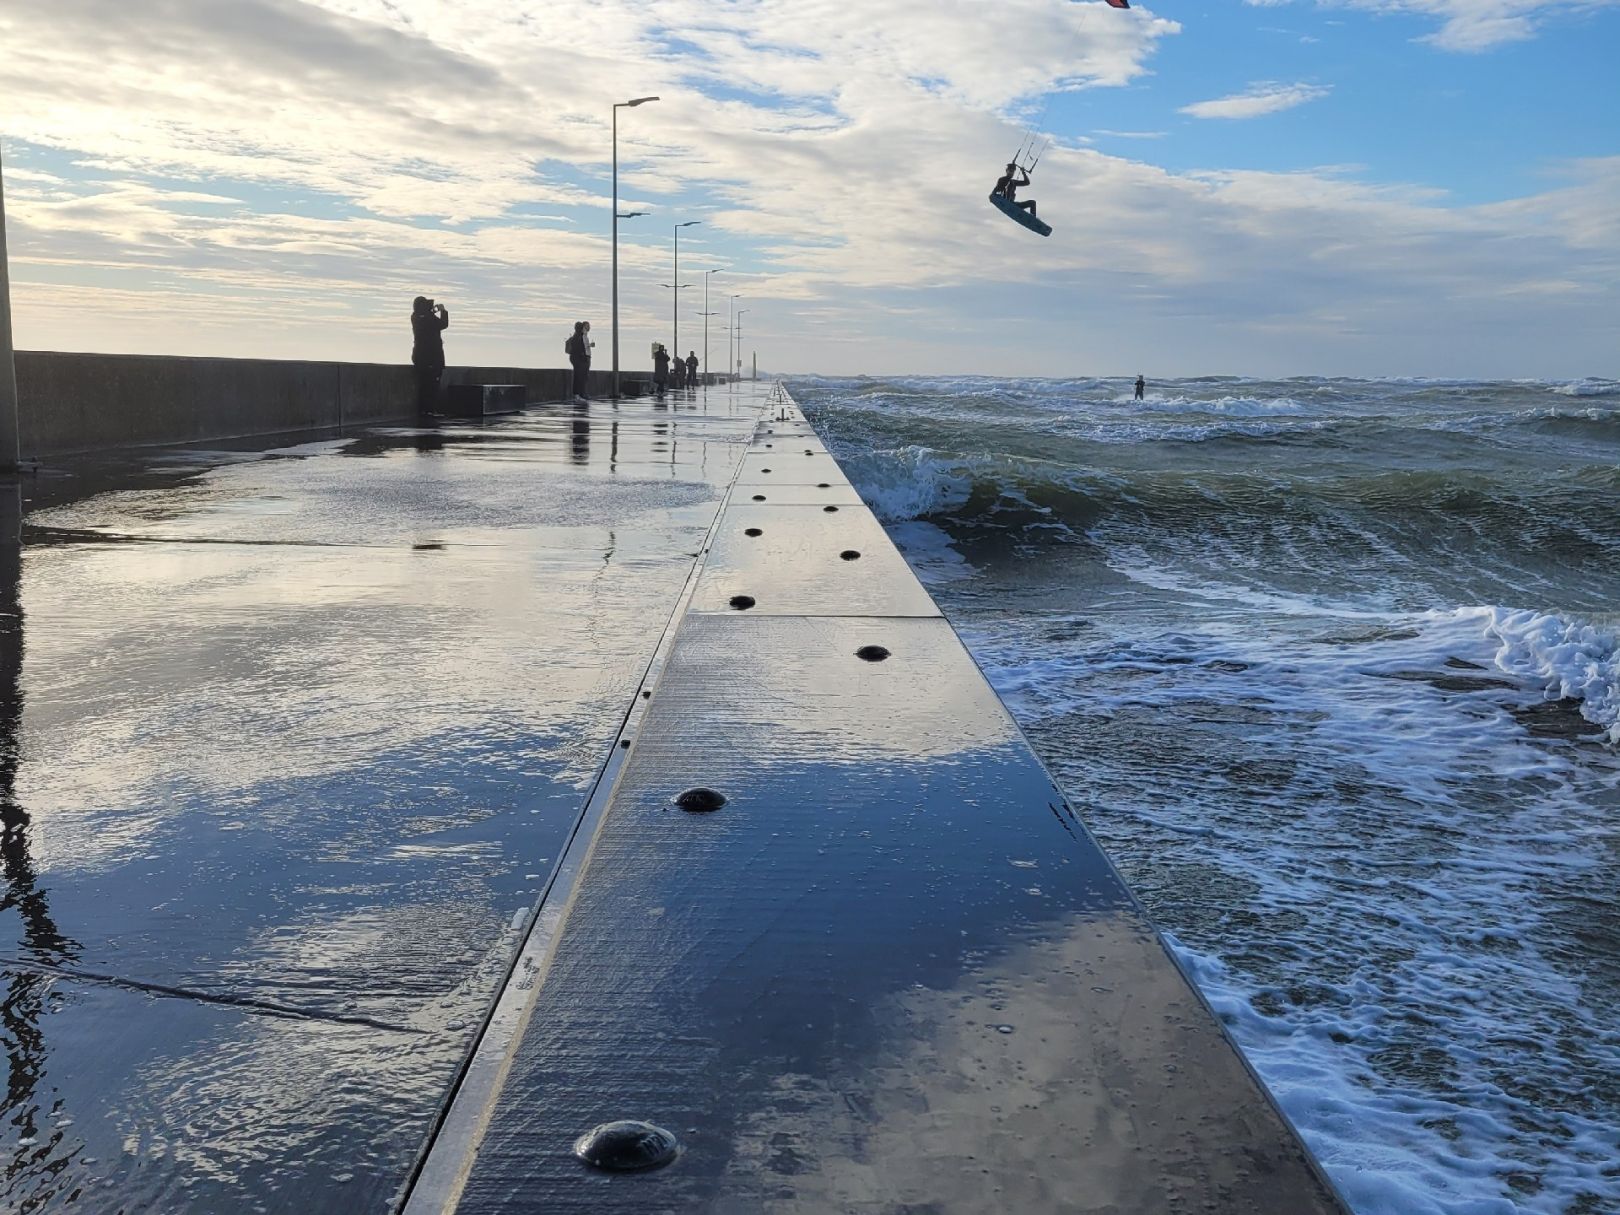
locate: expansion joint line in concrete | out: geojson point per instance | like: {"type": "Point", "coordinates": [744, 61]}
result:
{"type": "Point", "coordinates": [435, 1184]}
{"type": "Point", "coordinates": [267, 1008]}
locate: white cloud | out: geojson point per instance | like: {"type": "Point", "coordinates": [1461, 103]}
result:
{"type": "Point", "coordinates": [276, 177]}
{"type": "Point", "coordinates": [1472, 25]}
{"type": "Point", "coordinates": [1260, 99]}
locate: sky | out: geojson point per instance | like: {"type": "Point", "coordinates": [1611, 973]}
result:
{"type": "Point", "coordinates": [1247, 187]}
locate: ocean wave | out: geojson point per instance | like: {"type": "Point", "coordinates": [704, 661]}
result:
{"type": "Point", "coordinates": [1568, 515]}
{"type": "Point", "coordinates": [1590, 387]}
{"type": "Point", "coordinates": [911, 482]}
{"type": "Point", "coordinates": [1236, 407]}
{"type": "Point", "coordinates": [1569, 660]}
{"type": "Point", "coordinates": [1595, 419]}
{"type": "Point", "coordinates": [1442, 423]}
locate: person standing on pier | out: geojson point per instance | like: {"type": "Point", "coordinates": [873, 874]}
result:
{"type": "Point", "coordinates": [1141, 387]}
{"type": "Point", "coordinates": [660, 368]}
{"type": "Point", "coordinates": [428, 323]}
{"type": "Point", "coordinates": [691, 369]}
{"type": "Point", "coordinates": [677, 374]}
{"type": "Point", "coordinates": [578, 347]}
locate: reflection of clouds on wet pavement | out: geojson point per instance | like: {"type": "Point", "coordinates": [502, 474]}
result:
{"type": "Point", "coordinates": [987, 1070]}
{"type": "Point", "coordinates": [282, 757]}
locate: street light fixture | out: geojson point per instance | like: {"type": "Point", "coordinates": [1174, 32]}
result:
{"type": "Point", "coordinates": [740, 312]}
{"type": "Point", "coordinates": [675, 348]}
{"type": "Point", "coordinates": [617, 106]}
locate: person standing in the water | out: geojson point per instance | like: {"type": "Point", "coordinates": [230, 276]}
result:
{"type": "Point", "coordinates": [1141, 387]}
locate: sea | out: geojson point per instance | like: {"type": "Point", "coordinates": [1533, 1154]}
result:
{"type": "Point", "coordinates": [1331, 668]}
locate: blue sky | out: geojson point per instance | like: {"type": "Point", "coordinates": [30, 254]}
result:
{"type": "Point", "coordinates": [1482, 126]}
{"type": "Point", "coordinates": [1307, 187]}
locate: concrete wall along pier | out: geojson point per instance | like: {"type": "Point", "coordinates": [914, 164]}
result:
{"type": "Point", "coordinates": [887, 969]}
{"type": "Point", "coordinates": [72, 402]}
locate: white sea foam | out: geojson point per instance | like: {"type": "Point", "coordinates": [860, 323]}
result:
{"type": "Point", "coordinates": [1570, 660]}
{"type": "Point", "coordinates": [1406, 914]}
{"type": "Point", "coordinates": [1137, 430]}
{"type": "Point", "coordinates": [1395, 1149]}
{"type": "Point", "coordinates": [1498, 420]}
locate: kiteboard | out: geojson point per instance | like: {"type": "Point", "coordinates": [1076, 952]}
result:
{"type": "Point", "coordinates": [1020, 216]}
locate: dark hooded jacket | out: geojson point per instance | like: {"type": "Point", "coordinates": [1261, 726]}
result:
{"type": "Point", "coordinates": [427, 329]}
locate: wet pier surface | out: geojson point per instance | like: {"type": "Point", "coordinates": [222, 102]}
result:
{"type": "Point", "coordinates": [347, 865]}
{"type": "Point", "coordinates": [889, 972]}
{"type": "Point", "coordinates": [291, 741]}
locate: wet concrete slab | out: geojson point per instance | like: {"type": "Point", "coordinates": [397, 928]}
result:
{"type": "Point", "coordinates": [824, 494]}
{"type": "Point", "coordinates": [801, 560]}
{"type": "Point", "coordinates": [796, 466]}
{"type": "Point", "coordinates": [890, 972]}
{"type": "Point", "coordinates": [291, 740]}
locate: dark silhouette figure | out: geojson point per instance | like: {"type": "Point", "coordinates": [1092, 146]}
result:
{"type": "Point", "coordinates": [578, 347]}
{"type": "Point", "coordinates": [1141, 387]}
{"type": "Point", "coordinates": [677, 374]}
{"type": "Point", "coordinates": [691, 369]}
{"type": "Point", "coordinates": [1007, 187]}
{"type": "Point", "coordinates": [661, 369]}
{"type": "Point", "coordinates": [428, 323]}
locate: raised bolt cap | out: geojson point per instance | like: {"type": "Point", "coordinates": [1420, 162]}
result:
{"type": "Point", "coordinates": [627, 1146]}
{"type": "Point", "coordinates": [700, 801]}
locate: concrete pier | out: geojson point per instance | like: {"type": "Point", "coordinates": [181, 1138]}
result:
{"type": "Point", "coordinates": [891, 972]}
{"type": "Point", "coordinates": [347, 865]}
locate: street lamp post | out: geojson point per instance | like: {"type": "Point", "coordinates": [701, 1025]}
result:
{"type": "Point", "coordinates": [740, 312]}
{"type": "Point", "coordinates": [10, 447]}
{"type": "Point", "coordinates": [617, 106]}
{"type": "Point", "coordinates": [706, 315]}
{"type": "Point", "coordinates": [675, 341]}
{"type": "Point", "coordinates": [731, 329]}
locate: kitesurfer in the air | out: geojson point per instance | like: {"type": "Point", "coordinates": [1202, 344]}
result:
{"type": "Point", "coordinates": [1007, 187]}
